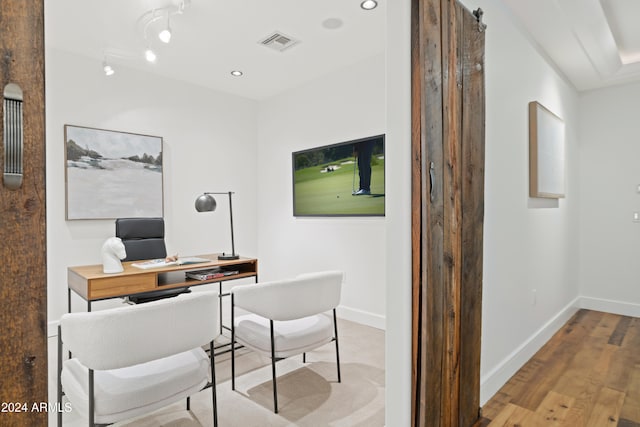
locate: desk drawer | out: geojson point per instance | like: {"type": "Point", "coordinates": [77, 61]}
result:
{"type": "Point", "coordinates": [106, 287]}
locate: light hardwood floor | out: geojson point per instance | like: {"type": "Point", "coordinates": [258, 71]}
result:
{"type": "Point", "coordinates": [588, 374]}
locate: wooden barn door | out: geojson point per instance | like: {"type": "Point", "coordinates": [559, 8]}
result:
{"type": "Point", "coordinates": [448, 211]}
{"type": "Point", "coordinates": [23, 286]}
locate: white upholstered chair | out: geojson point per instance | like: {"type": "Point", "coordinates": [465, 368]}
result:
{"type": "Point", "coordinates": [132, 360]}
{"type": "Point", "coordinates": [285, 318]}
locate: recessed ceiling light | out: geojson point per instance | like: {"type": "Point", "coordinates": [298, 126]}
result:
{"type": "Point", "coordinates": [332, 23]}
{"type": "Point", "coordinates": [369, 4]}
{"type": "Point", "coordinates": [236, 73]}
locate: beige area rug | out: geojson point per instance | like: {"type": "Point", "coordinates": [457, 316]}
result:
{"type": "Point", "coordinates": [308, 394]}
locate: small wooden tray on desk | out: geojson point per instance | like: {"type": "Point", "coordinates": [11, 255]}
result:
{"type": "Point", "coordinates": [92, 284]}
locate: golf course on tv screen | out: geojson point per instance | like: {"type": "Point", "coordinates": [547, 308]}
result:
{"type": "Point", "coordinates": [344, 179]}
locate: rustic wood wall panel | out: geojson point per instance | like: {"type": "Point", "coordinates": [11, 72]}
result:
{"type": "Point", "coordinates": [447, 197]}
{"type": "Point", "coordinates": [428, 305]}
{"type": "Point", "coordinates": [473, 130]}
{"type": "Point", "coordinates": [23, 316]}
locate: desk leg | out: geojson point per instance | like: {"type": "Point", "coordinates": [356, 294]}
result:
{"type": "Point", "coordinates": [89, 305]}
{"type": "Point", "coordinates": [220, 305]}
{"type": "Point", "coordinates": [68, 300]}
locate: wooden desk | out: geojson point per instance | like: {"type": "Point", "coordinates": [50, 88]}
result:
{"type": "Point", "coordinates": [93, 285]}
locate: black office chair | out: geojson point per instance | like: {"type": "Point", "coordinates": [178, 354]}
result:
{"type": "Point", "coordinates": [143, 238]}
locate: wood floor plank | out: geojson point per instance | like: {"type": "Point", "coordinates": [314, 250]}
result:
{"type": "Point", "coordinates": [482, 422]}
{"type": "Point", "coordinates": [517, 416]}
{"type": "Point", "coordinates": [557, 409]}
{"type": "Point", "coordinates": [631, 406]}
{"type": "Point", "coordinates": [580, 380]}
{"type": "Point", "coordinates": [497, 403]}
{"type": "Point", "coordinates": [581, 324]}
{"type": "Point", "coordinates": [627, 423]}
{"type": "Point", "coordinates": [603, 365]}
{"type": "Point", "coordinates": [502, 418]}
{"type": "Point", "coordinates": [620, 331]}
{"type": "Point", "coordinates": [569, 374]}
{"type": "Point", "coordinates": [606, 326]}
{"type": "Point", "coordinates": [618, 374]}
{"type": "Point", "coordinates": [607, 408]}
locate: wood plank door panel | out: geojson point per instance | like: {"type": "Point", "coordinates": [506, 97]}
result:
{"type": "Point", "coordinates": [472, 173]}
{"type": "Point", "coordinates": [23, 289]}
{"type": "Point", "coordinates": [448, 211]}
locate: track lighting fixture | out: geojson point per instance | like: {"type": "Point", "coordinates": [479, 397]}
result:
{"type": "Point", "coordinates": [149, 25]}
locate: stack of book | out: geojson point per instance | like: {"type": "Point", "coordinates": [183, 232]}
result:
{"type": "Point", "coordinates": [212, 273]}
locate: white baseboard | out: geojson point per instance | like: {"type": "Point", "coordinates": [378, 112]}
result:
{"type": "Point", "coordinates": [363, 317]}
{"type": "Point", "coordinates": [491, 382]}
{"type": "Point", "coordinates": [610, 306]}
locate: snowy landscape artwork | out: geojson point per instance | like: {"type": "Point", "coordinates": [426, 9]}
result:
{"type": "Point", "coordinates": [112, 174]}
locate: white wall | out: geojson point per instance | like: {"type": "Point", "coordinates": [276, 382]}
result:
{"type": "Point", "coordinates": [609, 179]}
{"type": "Point", "coordinates": [338, 107]}
{"type": "Point", "coordinates": [209, 145]}
{"type": "Point", "coordinates": [398, 179]}
{"type": "Point", "coordinates": [530, 245]}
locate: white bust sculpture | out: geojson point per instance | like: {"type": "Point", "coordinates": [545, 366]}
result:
{"type": "Point", "coordinates": [112, 252]}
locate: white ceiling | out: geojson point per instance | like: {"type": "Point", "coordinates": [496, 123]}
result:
{"type": "Point", "coordinates": [213, 37]}
{"type": "Point", "coordinates": [594, 43]}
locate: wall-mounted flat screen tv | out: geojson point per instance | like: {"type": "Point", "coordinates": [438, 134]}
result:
{"type": "Point", "coordinates": [343, 179]}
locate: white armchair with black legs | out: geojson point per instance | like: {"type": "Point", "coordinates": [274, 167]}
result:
{"type": "Point", "coordinates": [286, 318]}
{"type": "Point", "coordinates": [132, 360]}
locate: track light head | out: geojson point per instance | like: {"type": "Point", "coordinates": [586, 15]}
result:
{"type": "Point", "coordinates": [165, 35]}
{"type": "Point", "coordinates": [108, 69]}
{"type": "Point", "coordinates": [150, 55]}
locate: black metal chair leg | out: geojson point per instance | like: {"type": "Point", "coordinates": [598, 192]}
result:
{"type": "Point", "coordinates": [273, 369]}
{"type": "Point", "coordinates": [233, 346]}
{"type": "Point", "coordinates": [304, 357]}
{"type": "Point", "coordinates": [335, 332]}
{"type": "Point", "coordinates": [188, 403]}
{"type": "Point", "coordinates": [59, 377]}
{"type": "Point", "coordinates": [213, 386]}
{"type": "Point", "coordinates": [92, 414]}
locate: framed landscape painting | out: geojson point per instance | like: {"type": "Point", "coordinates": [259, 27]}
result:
{"type": "Point", "coordinates": [112, 174]}
{"type": "Point", "coordinates": [343, 179]}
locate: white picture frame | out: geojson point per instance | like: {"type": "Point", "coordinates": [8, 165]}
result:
{"type": "Point", "coordinates": [546, 153]}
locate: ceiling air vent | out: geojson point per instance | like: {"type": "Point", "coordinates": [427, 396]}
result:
{"type": "Point", "coordinates": [278, 41]}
